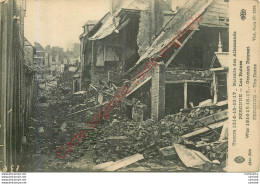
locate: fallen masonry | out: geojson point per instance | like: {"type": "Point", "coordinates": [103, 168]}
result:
{"type": "Point", "coordinates": [140, 145]}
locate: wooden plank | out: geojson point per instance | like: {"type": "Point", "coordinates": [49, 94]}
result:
{"type": "Point", "coordinates": [124, 162]}
{"type": "Point", "coordinates": [215, 88]}
{"type": "Point", "coordinates": [218, 9]}
{"type": "Point", "coordinates": [168, 152]}
{"type": "Point", "coordinates": [224, 132]}
{"type": "Point", "coordinates": [186, 81]}
{"type": "Point", "coordinates": [179, 49]}
{"type": "Point", "coordinates": [214, 117]}
{"type": "Point", "coordinates": [102, 166]}
{"type": "Point", "coordinates": [138, 86]}
{"type": "Point", "coordinates": [222, 103]}
{"type": "Point", "coordinates": [185, 95]}
{"type": "Point", "coordinates": [203, 130]}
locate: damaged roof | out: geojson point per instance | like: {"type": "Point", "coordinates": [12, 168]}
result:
{"type": "Point", "coordinates": [106, 29]}
{"type": "Point", "coordinates": [111, 23]}
{"type": "Point", "coordinates": [190, 10]}
{"type": "Point", "coordinates": [97, 25]}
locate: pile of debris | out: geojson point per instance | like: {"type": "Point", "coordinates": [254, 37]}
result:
{"type": "Point", "coordinates": [117, 142]}
{"type": "Point", "coordinates": [195, 130]}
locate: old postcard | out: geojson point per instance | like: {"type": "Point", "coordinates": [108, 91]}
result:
{"type": "Point", "coordinates": [129, 86]}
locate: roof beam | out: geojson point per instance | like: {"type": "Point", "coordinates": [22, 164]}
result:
{"type": "Point", "coordinates": [179, 49]}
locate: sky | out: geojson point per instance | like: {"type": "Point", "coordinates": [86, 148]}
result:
{"type": "Point", "coordinates": [59, 22]}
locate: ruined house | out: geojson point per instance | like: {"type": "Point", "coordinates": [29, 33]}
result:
{"type": "Point", "coordinates": [113, 45]}
{"type": "Point", "coordinates": [120, 44]}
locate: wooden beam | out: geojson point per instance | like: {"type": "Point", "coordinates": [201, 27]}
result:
{"type": "Point", "coordinates": [185, 95]}
{"type": "Point", "coordinates": [178, 42]}
{"type": "Point", "coordinates": [123, 25]}
{"type": "Point", "coordinates": [102, 166]}
{"type": "Point", "coordinates": [186, 81]}
{"type": "Point", "coordinates": [215, 100]}
{"type": "Point", "coordinates": [179, 49]}
{"type": "Point", "coordinates": [214, 118]}
{"type": "Point", "coordinates": [137, 87]}
{"type": "Point", "coordinates": [124, 162]}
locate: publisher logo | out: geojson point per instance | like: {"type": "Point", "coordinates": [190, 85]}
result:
{"type": "Point", "coordinates": [239, 159]}
{"type": "Point", "coordinates": [243, 14]}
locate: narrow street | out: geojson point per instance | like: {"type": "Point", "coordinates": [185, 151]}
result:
{"type": "Point", "coordinates": [50, 127]}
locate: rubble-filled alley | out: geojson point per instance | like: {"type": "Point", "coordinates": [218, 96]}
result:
{"type": "Point", "coordinates": [192, 139]}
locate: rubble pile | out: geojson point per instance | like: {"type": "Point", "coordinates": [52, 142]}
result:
{"type": "Point", "coordinates": [185, 121]}
{"type": "Point", "coordinates": [52, 126]}
{"type": "Point", "coordinates": [122, 138]}
{"type": "Point", "coordinates": [63, 114]}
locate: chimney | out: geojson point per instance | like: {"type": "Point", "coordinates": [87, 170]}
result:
{"type": "Point", "coordinates": [161, 12]}
{"type": "Point", "coordinates": [89, 25]}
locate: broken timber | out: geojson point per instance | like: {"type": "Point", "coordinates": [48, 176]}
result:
{"type": "Point", "coordinates": [203, 130]}
{"type": "Point", "coordinates": [113, 166]}
{"type": "Point", "coordinates": [191, 158]}
{"type": "Point", "coordinates": [102, 166]}
{"type": "Point", "coordinates": [214, 118]}
{"type": "Point", "coordinates": [168, 152]}
{"type": "Point", "coordinates": [78, 111]}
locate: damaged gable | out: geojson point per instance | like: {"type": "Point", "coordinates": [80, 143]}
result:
{"type": "Point", "coordinates": [193, 9]}
{"type": "Point", "coordinates": [113, 22]}
{"type": "Point", "coordinates": [179, 22]}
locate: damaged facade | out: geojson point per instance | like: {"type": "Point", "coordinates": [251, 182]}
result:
{"type": "Point", "coordinates": [111, 47]}
{"type": "Point", "coordinates": [18, 83]}
{"type": "Point", "coordinates": [118, 46]}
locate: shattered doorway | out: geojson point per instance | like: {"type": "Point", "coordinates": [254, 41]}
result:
{"type": "Point", "coordinates": [198, 92]}
{"type": "Point", "coordinates": [174, 98]}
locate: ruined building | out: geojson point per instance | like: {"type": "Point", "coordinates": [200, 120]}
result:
{"type": "Point", "coordinates": [190, 45]}
{"type": "Point", "coordinates": [113, 45]}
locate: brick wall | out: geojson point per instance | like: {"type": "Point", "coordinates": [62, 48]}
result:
{"type": "Point", "coordinates": [158, 92]}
